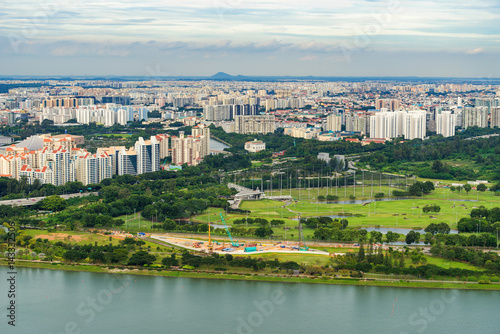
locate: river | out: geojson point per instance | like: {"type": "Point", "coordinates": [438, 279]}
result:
{"type": "Point", "coordinates": [52, 301]}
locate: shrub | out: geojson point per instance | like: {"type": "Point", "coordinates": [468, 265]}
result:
{"type": "Point", "coordinates": [484, 280]}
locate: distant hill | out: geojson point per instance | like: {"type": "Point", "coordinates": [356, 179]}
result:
{"type": "Point", "coordinates": [222, 76]}
{"type": "Point", "coordinates": [225, 76]}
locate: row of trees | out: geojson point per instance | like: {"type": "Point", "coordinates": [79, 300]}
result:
{"type": "Point", "coordinates": [316, 222]}
{"type": "Point", "coordinates": [488, 260]}
{"type": "Point", "coordinates": [220, 262]}
{"type": "Point", "coordinates": [258, 221]}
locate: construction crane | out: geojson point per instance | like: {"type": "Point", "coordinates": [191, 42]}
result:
{"type": "Point", "coordinates": [302, 244]}
{"type": "Point", "coordinates": [235, 244]}
{"type": "Point", "coordinates": [210, 246]}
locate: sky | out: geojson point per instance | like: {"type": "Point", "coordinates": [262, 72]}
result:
{"type": "Point", "coordinates": [439, 38]}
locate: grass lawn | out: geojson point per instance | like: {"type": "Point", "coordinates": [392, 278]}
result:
{"type": "Point", "coordinates": [443, 263]}
{"type": "Point", "coordinates": [136, 223]}
{"type": "Point", "coordinates": [319, 260]}
{"type": "Point", "coordinates": [80, 238]}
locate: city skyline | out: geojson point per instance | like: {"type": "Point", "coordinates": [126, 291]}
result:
{"type": "Point", "coordinates": [346, 38]}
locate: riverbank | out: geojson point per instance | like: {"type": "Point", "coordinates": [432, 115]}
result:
{"type": "Point", "coordinates": [257, 277]}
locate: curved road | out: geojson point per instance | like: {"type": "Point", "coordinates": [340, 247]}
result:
{"type": "Point", "coordinates": [34, 200]}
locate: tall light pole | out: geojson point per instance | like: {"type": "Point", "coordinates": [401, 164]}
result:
{"type": "Point", "coordinates": [281, 184]}
{"type": "Point", "coordinates": [380, 181]}
{"type": "Point", "coordinates": [345, 185]}
{"type": "Point", "coordinates": [371, 189]}
{"type": "Point", "coordinates": [271, 184]}
{"type": "Point", "coordinates": [363, 186]}
{"type": "Point", "coordinates": [354, 184]}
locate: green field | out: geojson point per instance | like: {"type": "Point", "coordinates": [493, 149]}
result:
{"type": "Point", "coordinates": [405, 213]}
{"type": "Point", "coordinates": [443, 263]}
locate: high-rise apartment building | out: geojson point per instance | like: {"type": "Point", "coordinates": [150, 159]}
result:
{"type": "Point", "coordinates": [389, 104]}
{"type": "Point", "coordinates": [393, 124]}
{"type": "Point", "coordinates": [495, 117]}
{"type": "Point", "coordinates": [414, 124]}
{"type": "Point", "coordinates": [254, 124]}
{"type": "Point", "coordinates": [356, 122]}
{"type": "Point", "coordinates": [202, 132]}
{"type": "Point", "coordinates": [446, 123]}
{"type": "Point", "coordinates": [186, 150]}
{"type": "Point", "coordinates": [148, 155]}
{"type": "Point", "coordinates": [386, 124]}
{"type": "Point", "coordinates": [477, 116]}
{"type": "Point", "coordinates": [334, 123]}
{"type": "Point", "coordinates": [127, 162]}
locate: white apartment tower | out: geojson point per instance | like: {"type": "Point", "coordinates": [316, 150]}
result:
{"type": "Point", "coordinates": [414, 124]}
{"type": "Point", "coordinates": [334, 123]}
{"type": "Point", "coordinates": [446, 123]}
{"type": "Point", "coordinates": [148, 155]}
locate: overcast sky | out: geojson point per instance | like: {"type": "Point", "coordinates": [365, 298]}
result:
{"type": "Point", "coordinates": [458, 38]}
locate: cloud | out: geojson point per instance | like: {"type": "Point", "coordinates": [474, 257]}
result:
{"type": "Point", "coordinates": [263, 30]}
{"type": "Point", "coordinates": [475, 51]}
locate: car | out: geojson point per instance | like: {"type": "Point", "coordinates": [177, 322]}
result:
{"type": "Point", "coordinates": [33, 199]}
{"type": "Point", "coordinates": [19, 201]}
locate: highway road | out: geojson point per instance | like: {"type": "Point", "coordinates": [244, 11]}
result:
{"type": "Point", "coordinates": [33, 200]}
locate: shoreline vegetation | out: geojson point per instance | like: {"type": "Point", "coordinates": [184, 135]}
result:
{"type": "Point", "coordinates": [198, 274]}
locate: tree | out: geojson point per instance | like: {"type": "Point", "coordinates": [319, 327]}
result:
{"type": "Point", "coordinates": [323, 233]}
{"type": "Point", "coordinates": [263, 232]}
{"type": "Point", "coordinates": [391, 237]}
{"type": "Point", "coordinates": [344, 223]}
{"type": "Point", "coordinates": [277, 222]}
{"type": "Point", "coordinates": [481, 187]}
{"type": "Point", "coordinates": [428, 238]}
{"type": "Point", "coordinates": [376, 236]}
{"type": "Point", "coordinates": [361, 253]}
{"type": "Point", "coordinates": [467, 187]}
{"type": "Point", "coordinates": [437, 167]}
{"type": "Point", "coordinates": [141, 258]}
{"type": "Point", "coordinates": [428, 187]}
{"type": "Point", "coordinates": [54, 203]}
{"type": "Point", "coordinates": [169, 225]}
{"type": "Point", "coordinates": [119, 255]}
{"type": "Point", "coordinates": [410, 237]}
{"type": "Point", "coordinates": [72, 255]}
{"type": "Point", "coordinates": [170, 261]}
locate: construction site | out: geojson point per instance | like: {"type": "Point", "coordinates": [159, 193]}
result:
{"type": "Point", "coordinates": [223, 246]}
